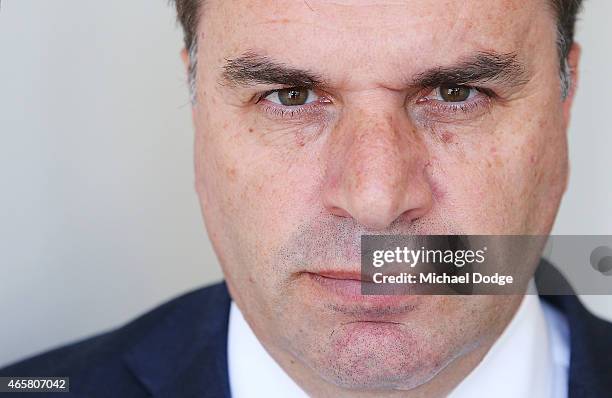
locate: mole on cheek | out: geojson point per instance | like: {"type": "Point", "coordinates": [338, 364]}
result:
{"type": "Point", "coordinates": [231, 174]}
{"type": "Point", "coordinates": [447, 137]}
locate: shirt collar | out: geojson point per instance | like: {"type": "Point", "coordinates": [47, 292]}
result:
{"type": "Point", "coordinates": [252, 371]}
{"type": "Point", "coordinates": [520, 363]}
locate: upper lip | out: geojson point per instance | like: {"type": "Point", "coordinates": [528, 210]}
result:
{"type": "Point", "coordinates": [348, 275]}
{"type": "Point", "coordinates": [344, 275]}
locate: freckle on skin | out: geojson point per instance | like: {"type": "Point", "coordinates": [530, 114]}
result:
{"type": "Point", "coordinates": [299, 139]}
{"type": "Point", "coordinates": [251, 129]}
{"type": "Point", "coordinates": [447, 137]}
{"type": "Point", "coordinates": [498, 161]}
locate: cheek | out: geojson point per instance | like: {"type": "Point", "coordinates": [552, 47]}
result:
{"type": "Point", "coordinates": [537, 181]}
{"type": "Point", "coordinates": [493, 181]}
{"type": "Point", "coordinates": [546, 178]}
{"type": "Point", "coordinates": [251, 184]}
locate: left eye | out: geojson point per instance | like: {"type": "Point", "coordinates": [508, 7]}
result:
{"type": "Point", "coordinates": [294, 96]}
{"type": "Point", "coordinates": [454, 93]}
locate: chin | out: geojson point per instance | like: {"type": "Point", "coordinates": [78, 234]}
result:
{"type": "Point", "coordinates": [381, 356]}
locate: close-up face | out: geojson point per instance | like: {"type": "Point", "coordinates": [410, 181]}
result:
{"type": "Point", "coordinates": [318, 121]}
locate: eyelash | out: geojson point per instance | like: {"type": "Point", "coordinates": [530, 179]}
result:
{"type": "Point", "coordinates": [291, 112]}
{"type": "Point", "coordinates": [436, 107]}
{"type": "Point", "coordinates": [471, 105]}
{"type": "Point", "coordinates": [288, 113]}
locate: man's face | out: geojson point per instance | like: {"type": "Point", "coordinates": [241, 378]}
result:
{"type": "Point", "coordinates": [375, 129]}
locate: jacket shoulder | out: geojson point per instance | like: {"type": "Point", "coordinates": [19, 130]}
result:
{"type": "Point", "coordinates": [99, 358]}
{"type": "Point", "coordinates": [590, 348]}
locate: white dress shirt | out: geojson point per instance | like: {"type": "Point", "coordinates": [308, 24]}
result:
{"type": "Point", "coordinates": [530, 359]}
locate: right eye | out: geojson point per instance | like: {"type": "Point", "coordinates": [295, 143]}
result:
{"type": "Point", "coordinates": [293, 96]}
{"type": "Point", "coordinates": [455, 93]}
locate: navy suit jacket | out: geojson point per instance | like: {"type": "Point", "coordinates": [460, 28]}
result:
{"type": "Point", "coordinates": [179, 349]}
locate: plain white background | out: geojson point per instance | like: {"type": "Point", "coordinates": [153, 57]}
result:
{"type": "Point", "coordinates": [99, 220]}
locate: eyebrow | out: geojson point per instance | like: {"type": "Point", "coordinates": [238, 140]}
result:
{"type": "Point", "coordinates": [478, 68]}
{"type": "Point", "coordinates": [251, 69]}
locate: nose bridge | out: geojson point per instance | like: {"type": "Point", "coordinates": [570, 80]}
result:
{"type": "Point", "coordinates": [374, 155]}
{"type": "Point", "coordinates": [376, 172]}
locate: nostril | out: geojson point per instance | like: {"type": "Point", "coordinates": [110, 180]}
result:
{"type": "Point", "coordinates": [340, 212]}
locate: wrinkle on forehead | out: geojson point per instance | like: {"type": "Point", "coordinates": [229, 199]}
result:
{"type": "Point", "coordinates": [382, 39]}
{"type": "Point", "coordinates": [412, 7]}
{"type": "Point", "coordinates": [434, 17]}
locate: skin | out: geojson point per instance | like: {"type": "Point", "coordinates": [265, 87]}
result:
{"type": "Point", "coordinates": [285, 198]}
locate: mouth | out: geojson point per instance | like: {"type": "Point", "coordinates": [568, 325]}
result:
{"type": "Point", "coordinates": [342, 290]}
{"type": "Point", "coordinates": [341, 275]}
{"type": "Point", "coordinates": [343, 284]}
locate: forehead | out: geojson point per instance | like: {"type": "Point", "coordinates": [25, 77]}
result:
{"type": "Point", "coordinates": [362, 32]}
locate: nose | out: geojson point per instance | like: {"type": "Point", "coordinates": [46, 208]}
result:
{"type": "Point", "coordinates": [375, 171]}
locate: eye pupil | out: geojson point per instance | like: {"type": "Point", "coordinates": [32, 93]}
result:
{"type": "Point", "coordinates": [454, 93]}
{"type": "Point", "coordinates": [293, 96]}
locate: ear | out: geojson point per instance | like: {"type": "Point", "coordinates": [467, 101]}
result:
{"type": "Point", "coordinates": [186, 64]}
{"type": "Point", "coordinates": [573, 60]}
{"type": "Point", "coordinates": [185, 59]}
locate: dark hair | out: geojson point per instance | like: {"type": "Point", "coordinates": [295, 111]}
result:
{"type": "Point", "coordinates": [567, 12]}
{"type": "Point", "coordinates": [188, 12]}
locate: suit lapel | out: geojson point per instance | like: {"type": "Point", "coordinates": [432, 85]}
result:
{"type": "Point", "coordinates": [590, 372]}
{"type": "Point", "coordinates": [185, 355]}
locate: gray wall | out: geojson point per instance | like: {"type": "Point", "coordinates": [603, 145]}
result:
{"type": "Point", "coordinates": [99, 220]}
